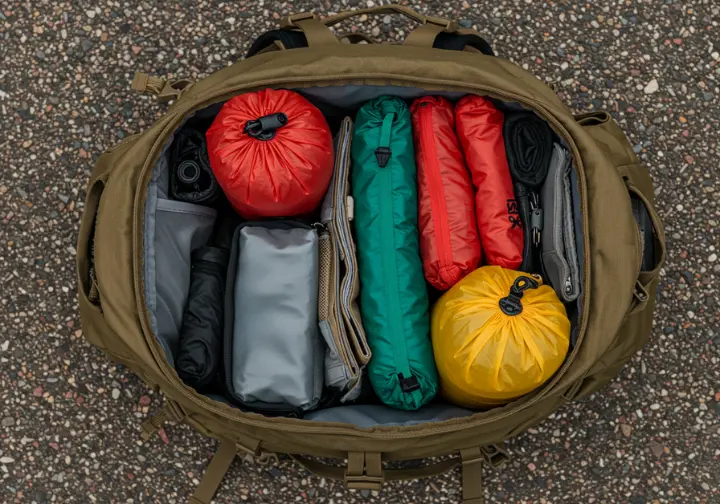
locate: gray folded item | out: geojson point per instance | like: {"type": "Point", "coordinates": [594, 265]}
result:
{"type": "Point", "coordinates": [559, 253]}
{"type": "Point", "coordinates": [273, 351]}
{"type": "Point", "coordinates": [339, 316]}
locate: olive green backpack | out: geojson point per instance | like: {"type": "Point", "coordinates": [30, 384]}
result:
{"type": "Point", "coordinates": [614, 315]}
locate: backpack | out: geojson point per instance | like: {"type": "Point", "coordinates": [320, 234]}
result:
{"type": "Point", "coordinates": [124, 209]}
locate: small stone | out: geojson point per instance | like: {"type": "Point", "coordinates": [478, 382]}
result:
{"type": "Point", "coordinates": [27, 143]}
{"type": "Point", "coordinates": [136, 50]}
{"type": "Point", "coordinates": [375, 31]}
{"type": "Point", "coordinates": [115, 393]}
{"type": "Point", "coordinates": [104, 36]}
{"type": "Point", "coordinates": [657, 449]}
{"type": "Point", "coordinates": [654, 406]}
{"type": "Point", "coordinates": [651, 87]}
{"type": "Point", "coordinates": [531, 466]}
{"type": "Point", "coordinates": [712, 257]}
{"type": "Point", "coordinates": [626, 429]}
{"type": "Point", "coordinates": [3, 189]}
{"type": "Point", "coordinates": [144, 401]}
{"type": "Point", "coordinates": [387, 20]}
{"type": "Point", "coordinates": [86, 44]}
{"type": "Point", "coordinates": [40, 55]}
{"type": "Point", "coordinates": [7, 460]}
{"type": "Point", "coordinates": [38, 392]}
{"type": "Point", "coordinates": [465, 23]}
{"type": "Point", "coordinates": [90, 13]}
{"type": "Point", "coordinates": [7, 422]}
{"type": "Point", "coordinates": [705, 486]}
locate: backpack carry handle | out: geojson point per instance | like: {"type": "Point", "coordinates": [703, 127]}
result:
{"type": "Point", "coordinates": [407, 12]}
{"type": "Point", "coordinates": [317, 30]}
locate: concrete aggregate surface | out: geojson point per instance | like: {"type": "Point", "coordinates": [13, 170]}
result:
{"type": "Point", "coordinates": [70, 419]}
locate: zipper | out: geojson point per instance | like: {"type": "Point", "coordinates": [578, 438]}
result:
{"type": "Point", "coordinates": [389, 262]}
{"type": "Point", "coordinates": [447, 85]}
{"type": "Point", "coordinates": [435, 189]}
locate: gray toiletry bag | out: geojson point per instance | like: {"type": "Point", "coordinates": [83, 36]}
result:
{"type": "Point", "coordinates": [273, 350]}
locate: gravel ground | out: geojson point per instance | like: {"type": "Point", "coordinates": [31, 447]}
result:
{"type": "Point", "coordinates": [70, 419]}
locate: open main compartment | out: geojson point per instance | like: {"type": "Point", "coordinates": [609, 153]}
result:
{"type": "Point", "coordinates": [173, 229]}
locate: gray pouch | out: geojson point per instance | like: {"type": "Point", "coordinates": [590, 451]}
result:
{"type": "Point", "coordinates": [273, 351]}
{"type": "Point", "coordinates": [559, 254]}
{"type": "Point", "coordinates": [179, 228]}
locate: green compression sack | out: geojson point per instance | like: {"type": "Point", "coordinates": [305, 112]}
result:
{"type": "Point", "coordinates": [394, 301]}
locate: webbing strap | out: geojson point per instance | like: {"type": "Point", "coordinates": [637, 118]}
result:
{"type": "Point", "coordinates": [472, 460]}
{"type": "Point", "coordinates": [423, 35]}
{"type": "Point", "coordinates": [215, 473]}
{"type": "Point", "coordinates": [316, 32]}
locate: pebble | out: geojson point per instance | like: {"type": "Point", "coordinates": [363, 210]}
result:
{"type": "Point", "coordinates": [115, 393]}
{"type": "Point", "coordinates": [7, 422]}
{"type": "Point", "coordinates": [712, 257]}
{"type": "Point", "coordinates": [651, 87]}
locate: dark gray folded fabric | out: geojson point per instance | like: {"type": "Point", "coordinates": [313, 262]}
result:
{"type": "Point", "coordinates": [528, 145]}
{"type": "Point", "coordinates": [199, 356]}
{"type": "Point", "coordinates": [559, 253]}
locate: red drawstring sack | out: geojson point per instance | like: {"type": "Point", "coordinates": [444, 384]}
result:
{"type": "Point", "coordinates": [479, 129]}
{"type": "Point", "coordinates": [449, 242]}
{"type": "Point", "coordinates": [271, 152]}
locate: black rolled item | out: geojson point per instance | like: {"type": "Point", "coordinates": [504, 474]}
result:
{"type": "Point", "coordinates": [191, 178]}
{"type": "Point", "coordinates": [528, 145]}
{"type": "Point", "coordinates": [199, 357]}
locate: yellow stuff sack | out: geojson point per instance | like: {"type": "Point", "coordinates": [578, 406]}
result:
{"type": "Point", "coordinates": [497, 335]}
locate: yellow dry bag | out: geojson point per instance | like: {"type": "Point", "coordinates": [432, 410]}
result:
{"type": "Point", "coordinates": [497, 335]}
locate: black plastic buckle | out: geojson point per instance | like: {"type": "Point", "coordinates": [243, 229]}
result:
{"type": "Point", "coordinates": [382, 154]}
{"type": "Point", "coordinates": [409, 384]}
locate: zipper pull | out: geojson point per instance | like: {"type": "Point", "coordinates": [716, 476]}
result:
{"type": "Point", "coordinates": [536, 218]}
{"type": "Point", "coordinates": [383, 152]}
{"type": "Point", "coordinates": [568, 286]}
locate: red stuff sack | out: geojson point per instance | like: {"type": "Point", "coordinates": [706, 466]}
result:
{"type": "Point", "coordinates": [479, 129]}
{"type": "Point", "coordinates": [449, 242]}
{"type": "Point", "coordinates": [271, 152]}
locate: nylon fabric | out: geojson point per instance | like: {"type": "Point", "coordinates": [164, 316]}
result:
{"type": "Point", "coordinates": [487, 357]}
{"type": "Point", "coordinates": [479, 129]}
{"type": "Point", "coordinates": [284, 176]}
{"type": "Point", "coordinates": [394, 301]}
{"type": "Point", "coordinates": [449, 241]}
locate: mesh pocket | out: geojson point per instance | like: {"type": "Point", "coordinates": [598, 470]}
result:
{"type": "Point", "coordinates": [325, 250]}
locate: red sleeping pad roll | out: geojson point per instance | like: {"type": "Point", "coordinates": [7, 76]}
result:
{"type": "Point", "coordinates": [479, 129]}
{"type": "Point", "coordinates": [271, 152]}
{"type": "Point", "coordinates": [449, 242]}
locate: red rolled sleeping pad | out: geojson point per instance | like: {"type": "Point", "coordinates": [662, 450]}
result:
{"type": "Point", "coordinates": [449, 242]}
{"type": "Point", "coordinates": [479, 129]}
{"type": "Point", "coordinates": [271, 152]}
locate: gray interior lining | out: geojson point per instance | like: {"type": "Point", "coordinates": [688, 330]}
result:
{"type": "Point", "coordinates": [346, 98]}
{"type": "Point", "coordinates": [352, 96]}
